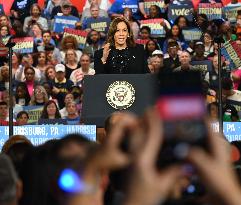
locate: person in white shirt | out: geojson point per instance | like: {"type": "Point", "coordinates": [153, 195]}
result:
{"type": "Point", "coordinates": [77, 75]}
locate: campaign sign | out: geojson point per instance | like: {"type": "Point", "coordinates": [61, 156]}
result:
{"type": "Point", "coordinates": [34, 113]}
{"type": "Point", "coordinates": [52, 122]}
{"type": "Point", "coordinates": [39, 134]}
{"type": "Point", "coordinates": [232, 131]}
{"type": "Point", "coordinates": [23, 45]}
{"type": "Point", "coordinates": [231, 13]}
{"type": "Point", "coordinates": [157, 30]}
{"type": "Point", "coordinates": [232, 52]}
{"type": "Point", "coordinates": [141, 41]}
{"type": "Point", "coordinates": [203, 66]}
{"type": "Point", "coordinates": [192, 34]}
{"type": "Point", "coordinates": [80, 36]}
{"type": "Point", "coordinates": [213, 11]}
{"type": "Point", "coordinates": [149, 3]}
{"type": "Point", "coordinates": [62, 22]}
{"type": "Point", "coordinates": [180, 10]}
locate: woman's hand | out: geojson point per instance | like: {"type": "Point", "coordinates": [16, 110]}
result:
{"type": "Point", "coordinates": [106, 52]}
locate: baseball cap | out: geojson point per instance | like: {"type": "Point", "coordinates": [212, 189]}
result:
{"type": "Point", "coordinates": [60, 68]}
{"type": "Point", "coordinates": [199, 43]}
{"type": "Point", "coordinates": [157, 52]}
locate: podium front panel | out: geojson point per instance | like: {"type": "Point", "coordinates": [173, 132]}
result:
{"type": "Point", "coordinates": [96, 107]}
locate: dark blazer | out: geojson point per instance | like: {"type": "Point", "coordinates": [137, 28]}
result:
{"type": "Point", "coordinates": [136, 63]}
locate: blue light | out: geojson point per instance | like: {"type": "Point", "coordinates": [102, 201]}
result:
{"type": "Point", "coordinates": [191, 189]}
{"type": "Point", "coordinates": [70, 181]}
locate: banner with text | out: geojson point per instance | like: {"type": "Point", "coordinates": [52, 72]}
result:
{"type": "Point", "coordinates": [34, 113]}
{"type": "Point", "coordinates": [232, 52]}
{"type": "Point", "coordinates": [80, 36]}
{"type": "Point", "coordinates": [183, 10]}
{"type": "Point", "coordinates": [154, 24]}
{"type": "Point", "coordinates": [62, 22]}
{"type": "Point", "coordinates": [213, 11]}
{"type": "Point", "coordinates": [231, 13]}
{"type": "Point", "coordinates": [149, 3]}
{"type": "Point", "coordinates": [202, 66]}
{"type": "Point", "coordinates": [39, 134]}
{"type": "Point", "coordinates": [23, 45]}
{"type": "Point", "coordinates": [192, 34]}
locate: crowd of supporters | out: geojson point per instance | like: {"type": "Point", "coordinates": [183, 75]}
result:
{"type": "Point", "coordinates": [52, 75]}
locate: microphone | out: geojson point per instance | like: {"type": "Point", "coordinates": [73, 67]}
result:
{"type": "Point", "coordinates": [10, 44]}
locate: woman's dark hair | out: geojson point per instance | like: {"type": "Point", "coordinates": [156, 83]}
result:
{"type": "Point", "coordinates": [48, 68]}
{"type": "Point", "coordinates": [146, 47]}
{"type": "Point", "coordinates": [179, 17]}
{"type": "Point", "coordinates": [209, 33]}
{"type": "Point", "coordinates": [88, 40]}
{"type": "Point", "coordinates": [8, 29]}
{"type": "Point", "coordinates": [22, 113]}
{"type": "Point", "coordinates": [45, 115]}
{"type": "Point", "coordinates": [158, 11]}
{"type": "Point", "coordinates": [25, 88]}
{"type": "Point", "coordinates": [36, 56]}
{"type": "Point", "coordinates": [147, 28]}
{"type": "Point", "coordinates": [113, 28]}
{"type": "Point", "coordinates": [31, 9]}
{"type": "Point", "coordinates": [170, 35]}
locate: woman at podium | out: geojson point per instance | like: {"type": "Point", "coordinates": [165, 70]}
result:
{"type": "Point", "coordinates": [120, 54]}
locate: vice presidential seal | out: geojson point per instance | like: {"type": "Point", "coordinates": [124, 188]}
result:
{"type": "Point", "coordinates": [120, 95]}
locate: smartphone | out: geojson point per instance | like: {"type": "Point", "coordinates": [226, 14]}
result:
{"type": "Point", "coordinates": [181, 107]}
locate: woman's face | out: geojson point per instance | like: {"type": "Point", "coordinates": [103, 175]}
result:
{"type": "Point", "coordinates": [69, 44]}
{"type": "Point", "coordinates": [35, 11]}
{"type": "Point", "coordinates": [42, 58]}
{"type": "Point", "coordinates": [70, 55]}
{"type": "Point", "coordinates": [51, 73]}
{"type": "Point", "coordinates": [175, 30]}
{"type": "Point", "coordinates": [51, 109]}
{"type": "Point", "coordinates": [5, 73]}
{"type": "Point", "coordinates": [151, 46]}
{"type": "Point", "coordinates": [4, 31]}
{"type": "Point", "coordinates": [23, 119]}
{"type": "Point", "coordinates": [29, 75]}
{"type": "Point", "coordinates": [39, 94]}
{"type": "Point", "coordinates": [14, 58]}
{"type": "Point", "coordinates": [36, 30]}
{"type": "Point", "coordinates": [207, 38]}
{"type": "Point", "coordinates": [121, 34]}
{"type": "Point", "coordinates": [153, 12]}
{"type": "Point", "coordinates": [182, 23]}
{"type": "Point", "coordinates": [21, 92]}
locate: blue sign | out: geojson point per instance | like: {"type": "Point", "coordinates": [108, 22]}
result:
{"type": "Point", "coordinates": [62, 22]}
{"type": "Point", "coordinates": [203, 66]}
{"type": "Point", "coordinates": [192, 34]}
{"type": "Point", "coordinates": [39, 134]}
{"type": "Point", "coordinates": [175, 11]}
{"type": "Point", "coordinates": [231, 12]}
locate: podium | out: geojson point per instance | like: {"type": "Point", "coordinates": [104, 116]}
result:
{"type": "Point", "coordinates": [107, 93]}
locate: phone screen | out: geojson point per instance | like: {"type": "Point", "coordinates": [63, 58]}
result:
{"type": "Point", "coordinates": [181, 107]}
